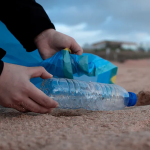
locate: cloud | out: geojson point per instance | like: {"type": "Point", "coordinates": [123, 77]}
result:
{"type": "Point", "coordinates": [113, 19]}
{"type": "Point", "coordinates": [80, 35]}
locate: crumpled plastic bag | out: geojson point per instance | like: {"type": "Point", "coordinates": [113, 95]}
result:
{"type": "Point", "coordinates": [87, 67]}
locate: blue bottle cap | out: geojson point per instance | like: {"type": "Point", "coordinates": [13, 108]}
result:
{"type": "Point", "coordinates": [132, 99]}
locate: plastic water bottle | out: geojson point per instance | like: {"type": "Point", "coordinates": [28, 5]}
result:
{"type": "Point", "coordinates": [74, 94]}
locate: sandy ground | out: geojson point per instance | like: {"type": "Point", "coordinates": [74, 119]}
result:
{"type": "Point", "coordinates": [84, 130]}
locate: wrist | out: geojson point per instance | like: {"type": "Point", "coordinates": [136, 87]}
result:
{"type": "Point", "coordinates": [43, 35]}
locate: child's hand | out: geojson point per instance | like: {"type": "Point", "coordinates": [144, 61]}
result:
{"type": "Point", "coordinates": [50, 42]}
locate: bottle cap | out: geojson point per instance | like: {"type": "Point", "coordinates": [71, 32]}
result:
{"type": "Point", "coordinates": [132, 99]}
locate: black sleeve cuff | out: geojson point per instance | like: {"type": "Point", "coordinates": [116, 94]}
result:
{"type": "Point", "coordinates": [2, 54]}
{"type": "Point", "coordinates": [1, 66]}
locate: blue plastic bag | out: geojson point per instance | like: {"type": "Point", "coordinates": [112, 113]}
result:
{"type": "Point", "coordinates": [66, 65]}
{"type": "Point", "coordinates": [87, 67]}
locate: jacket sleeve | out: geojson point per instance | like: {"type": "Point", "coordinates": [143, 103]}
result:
{"type": "Point", "coordinates": [25, 19]}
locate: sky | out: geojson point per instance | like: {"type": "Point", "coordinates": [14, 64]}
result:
{"type": "Point", "coordinates": [91, 21]}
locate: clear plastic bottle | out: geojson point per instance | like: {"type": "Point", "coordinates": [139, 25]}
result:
{"type": "Point", "coordinates": [74, 94]}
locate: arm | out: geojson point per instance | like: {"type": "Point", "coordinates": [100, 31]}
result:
{"type": "Point", "coordinates": [25, 19]}
{"type": "Point", "coordinates": [29, 23]}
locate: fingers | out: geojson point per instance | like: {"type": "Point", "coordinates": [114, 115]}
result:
{"type": "Point", "coordinates": [37, 95]}
{"type": "Point", "coordinates": [41, 98]}
{"type": "Point", "coordinates": [20, 108]}
{"type": "Point", "coordinates": [32, 106]}
{"type": "Point", "coordinates": [39, 72]}
{"type": "Point", "coordinates": [75, 48]}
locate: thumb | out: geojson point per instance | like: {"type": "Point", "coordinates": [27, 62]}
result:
{"type": "Point", "coordinates": [39, 72]}
{"type": "Point", "coordinates": [75, 48]}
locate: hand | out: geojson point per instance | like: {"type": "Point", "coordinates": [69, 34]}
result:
{"type": "Point", "coordinates": [50, 42]}
{"type": "Point", "coordinates": [16, 90]}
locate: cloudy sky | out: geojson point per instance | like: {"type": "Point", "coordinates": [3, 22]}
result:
{"type": "Point", "coordinates": [90, 21]}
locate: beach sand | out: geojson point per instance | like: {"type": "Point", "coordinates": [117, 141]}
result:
{"type": "Point", "coordinates": [84, 130]}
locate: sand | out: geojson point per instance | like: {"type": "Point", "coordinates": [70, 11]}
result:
{"type": "Point", "coordinates": [84, 130]}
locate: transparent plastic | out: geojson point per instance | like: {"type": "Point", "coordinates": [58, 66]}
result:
{"type": "Point", "coordinates": [74, 94]}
